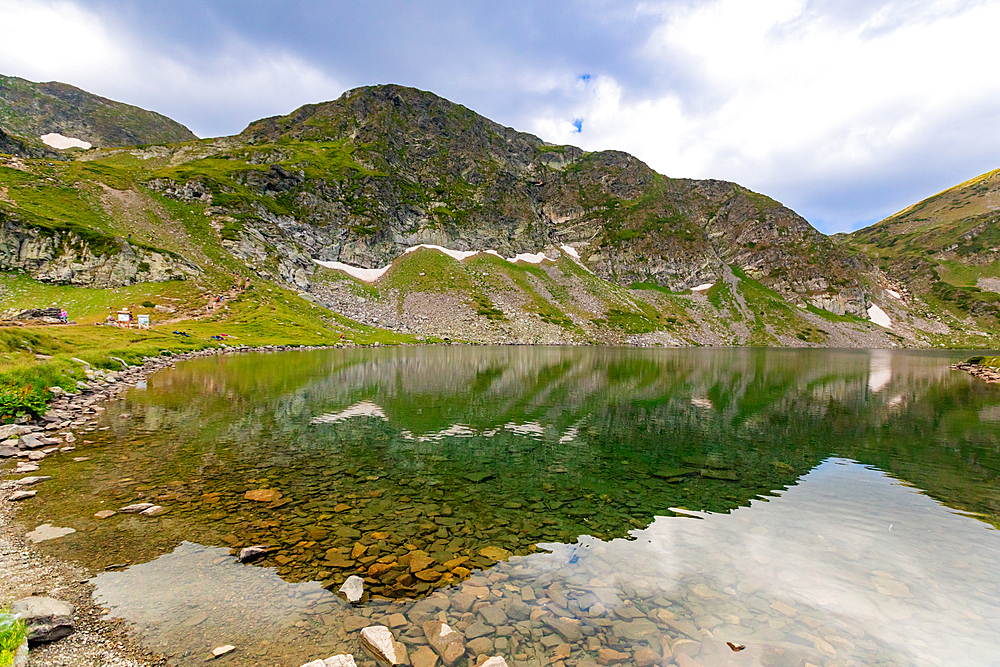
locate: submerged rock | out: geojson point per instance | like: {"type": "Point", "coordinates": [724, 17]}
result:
{"type": "Point", "coordinates": [28, 481]}
{"type": "Point", "coordinates": [378, 640]}
{"type": "Point", "coordinates": [263, 495]}
{"type": "Point", "coordinates": [341, 660]}
{"type": "Point", "coordinates": [222, 650]}
{"type": "Point", "coordinates": [445, 640]}
{"type": "Point", "coordinates": [353, 589]}
{"type": "Point", "coordinates": [45, 619]}
{"type": "Point", "coordinates": [250, 554]}
{"type": "Point", "coordinates": [47, 531]}
{"type": "Point", "coordinates": [136, 508]}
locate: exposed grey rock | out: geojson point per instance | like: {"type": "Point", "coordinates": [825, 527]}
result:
{"type": "Point", "coordinates": [155, 510]}
{"type": "Point", "coordinates": [445, 640]}
{"type": "Point", "coordinates": [22, 495]}
{"type": "Point", "coordinates": [32, 441]}
{"type": "Point", "coordinates": [45, 619]}
{"type": "Point", "coordinates": [65, 257]}
{"type": "Point", "coordinates": [353, 589]}
{"type": "Point", "coordinates": [136, 508]}
{"type": "Point", "coordinates": [378, 640]}
{"type": "Point", "coordinates": [7, 452]}
{"type": "Point", "coordinates": [28, 481]}
{"type": "Point", "coordinates": [252, 553]}
{"type": "Point", "coordinates": [11, 430]}
{"type": "Point", "coordinates": [495, 661]}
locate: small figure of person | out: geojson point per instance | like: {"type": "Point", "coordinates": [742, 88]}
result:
{"type": "Point", "coordinates": [63, 316]}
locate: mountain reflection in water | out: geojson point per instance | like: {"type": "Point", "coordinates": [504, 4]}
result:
{"type": "Point", "coordinates": [456, 458]}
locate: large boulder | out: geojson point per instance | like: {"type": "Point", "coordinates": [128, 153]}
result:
{"type": "Point", "coordinates": [45, 619]}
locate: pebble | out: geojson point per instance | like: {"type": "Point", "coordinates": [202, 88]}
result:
{"type": "Point", "coordinates": [222, 650]}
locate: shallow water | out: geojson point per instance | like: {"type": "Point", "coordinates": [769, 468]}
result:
{"type": "Point", "coordinates": [639, 495]}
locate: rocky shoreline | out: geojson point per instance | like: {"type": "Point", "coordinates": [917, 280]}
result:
{"type": "Point", "coordinates": [24, 570]}
{"type": "Point", "coordinates": [984, 373]}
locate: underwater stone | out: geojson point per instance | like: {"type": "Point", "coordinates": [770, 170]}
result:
{"type": "Point", "coordinates": [341, 660]}
{"type": "Point", "coordinates": [445, 640]}
{"type": "Point", "coordinates": [353, 589]}
{"type": "Point", "coordinates": [136, 508]}
{"type": "Point", "coordinates": [378, 640]}
{"type": "Point", "coordinates": [250, 554]}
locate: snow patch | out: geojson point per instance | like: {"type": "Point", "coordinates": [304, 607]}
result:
{"type": "Point", "coordinates": [528, 257]}
{"type": "Point", "coordinates": [454, 254]}
{"type": "Point", "coordinates": [58, 141]}
{"type": "Point", "coordinates": [894, 294]}
{"type": "Point", "coordinates": [371, 275]}
{"type": "Point", "coordinates": [702, 287]}
{"type": "Point", "coordinates": [367, 275]}
{"type": "Point", "coordinates": [570, 250]}
{"type": "Point", "coordinates": [879, 317]}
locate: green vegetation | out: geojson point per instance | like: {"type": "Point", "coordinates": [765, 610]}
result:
{"type": "Point", "coordinates": [12, 635]}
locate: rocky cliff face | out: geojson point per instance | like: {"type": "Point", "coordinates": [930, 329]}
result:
{"type": "Point", "coordinates": [414, 168]}
{"type": "Point", "coordinates": [29, 110]}
{"type": "Point", "coordinates": [68, 258]}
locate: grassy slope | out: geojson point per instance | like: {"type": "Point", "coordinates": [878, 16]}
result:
{"type": "Point", "coordinates": [942, 246]}
{"type": "Point", "coordinates": [72, 197]}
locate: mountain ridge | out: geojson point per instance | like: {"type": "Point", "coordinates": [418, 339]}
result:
{"type": "Point", "coordinates": [381, 169]}
{"type": "Point", "coordinates": [29, 110]}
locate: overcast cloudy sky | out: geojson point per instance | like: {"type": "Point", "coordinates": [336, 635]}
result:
{"type": "Point", "coordinates": [844, 110]}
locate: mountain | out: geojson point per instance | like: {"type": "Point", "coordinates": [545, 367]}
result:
{"type": "Point", "coordinates": [30, 110]}
{"type": "Point", "coordinates": [944, 249]}
{"type": "Point", "coordinates": [437, 172]}
{"type": "Point", "coordinates": [336, 199]}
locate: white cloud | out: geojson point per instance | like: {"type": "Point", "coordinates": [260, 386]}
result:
{"type": "Point", "coordinates": [773, 95]}
{"type": "Point", "coordinates": [59, 41]}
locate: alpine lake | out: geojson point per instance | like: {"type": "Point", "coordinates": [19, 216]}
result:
{"type": "Point", "coordinates": [557, 506]}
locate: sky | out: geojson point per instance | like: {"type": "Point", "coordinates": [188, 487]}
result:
{"type": "Point", "coordinates": [844, 110]}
